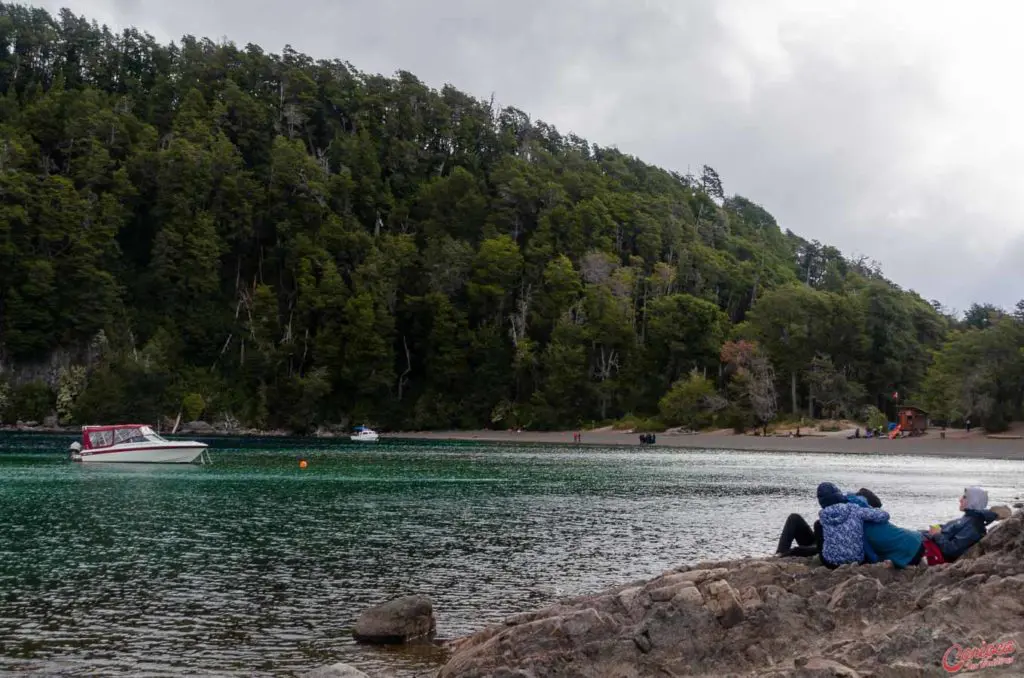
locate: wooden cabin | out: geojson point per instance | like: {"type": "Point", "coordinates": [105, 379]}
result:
{"type": "Point", "coordinates": [913, 420]}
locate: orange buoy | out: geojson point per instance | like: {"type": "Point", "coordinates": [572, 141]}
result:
{"type": "Point", "coordinates": [303, 464]}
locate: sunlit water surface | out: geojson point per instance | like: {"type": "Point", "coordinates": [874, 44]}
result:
{"type": "Point", "coordinates": [253, 566]}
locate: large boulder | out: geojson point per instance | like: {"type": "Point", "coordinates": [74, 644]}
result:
{"type": "Point", "coordinates": [197, 427]}
{"type": "Point", "coordinates": [775, 617]}
{"type": "Point", "coordinates": [399, 621]}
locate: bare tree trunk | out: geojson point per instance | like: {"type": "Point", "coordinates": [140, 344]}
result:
{"type": "Point", "coordinates": [305, 350]}
{"type": "Point", "coordinates": [223, 350]}
{"type": "Point", "coordinates": [403, 379]}
{"type": "Point", "coordinates": [792, 388]}
{"type": "Point", "coordinates": [177, 423]}
{"type": "Point", "coordinates": [642, 337]}
{"type": "Point", "coordinates": [280, 100]}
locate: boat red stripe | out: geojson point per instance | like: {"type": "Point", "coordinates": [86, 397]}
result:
{"type": "Point", "coordinates": [93, 452]}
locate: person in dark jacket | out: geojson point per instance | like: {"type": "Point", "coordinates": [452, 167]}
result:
{"type": "Point", "coordinates": [956, 536]}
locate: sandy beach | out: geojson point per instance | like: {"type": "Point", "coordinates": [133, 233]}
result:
{"type": "Point", "coordinates": [955, 444]}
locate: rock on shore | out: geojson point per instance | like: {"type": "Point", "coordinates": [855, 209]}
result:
{"type": "Point", "coordinates": [772, 617]}
{"type": "Point", "coordinates": [396, 622]}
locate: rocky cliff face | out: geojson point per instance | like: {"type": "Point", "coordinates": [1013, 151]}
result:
{"type": "Point", "coordinates": [777, 617]}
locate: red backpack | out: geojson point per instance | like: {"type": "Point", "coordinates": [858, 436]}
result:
{"type": "Point", "coordinates": [932, 553]}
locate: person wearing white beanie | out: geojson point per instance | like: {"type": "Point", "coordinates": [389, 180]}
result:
{"type": "Point", "coordinates": [956, 536]}
{"type": "Point", "coordinates": [974, 498]}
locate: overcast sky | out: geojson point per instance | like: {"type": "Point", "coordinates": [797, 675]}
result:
{"type": "Point", "coordinates": [889, 129]}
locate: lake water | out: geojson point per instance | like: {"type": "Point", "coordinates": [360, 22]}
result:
{"type": "Point", "coordinates": [253, 566]}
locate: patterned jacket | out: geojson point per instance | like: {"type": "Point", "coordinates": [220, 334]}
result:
{"type": "Point", "coordinates": [842, 528]}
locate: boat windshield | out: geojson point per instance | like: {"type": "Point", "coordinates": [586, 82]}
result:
{"type": "Point", "coordinates": [152, 436]}
{"type": "Point", "coordinates": [128, 435]}
{"type": "Point", "coordinates": [123, 436]}
{"type": "Point", "coordinates": [101, 438]}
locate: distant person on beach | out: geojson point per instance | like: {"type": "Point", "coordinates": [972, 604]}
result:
{"type": "Point", "coordinates": [946, 543]}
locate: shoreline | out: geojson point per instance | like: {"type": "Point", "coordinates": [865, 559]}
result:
{"type": "Point", "coordinates": [963, 447]}
{"type": "Point", "coordinates": [957, 444]}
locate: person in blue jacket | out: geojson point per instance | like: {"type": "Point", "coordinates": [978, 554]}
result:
{"type": "Point", "coordinates": [809, 540]}
{"type": "Point", "coordinates": [842, 526]}
{"type": "Point", "coordinates": [956, 536]}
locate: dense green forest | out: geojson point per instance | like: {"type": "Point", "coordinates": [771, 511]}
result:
{"type": "Point", "coordinates": [276, 241]}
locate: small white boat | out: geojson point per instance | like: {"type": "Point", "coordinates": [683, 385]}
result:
{"type": "Point", "coordinates": [364, 434]}
{"type": "Point", "coordinates": [134, 443]}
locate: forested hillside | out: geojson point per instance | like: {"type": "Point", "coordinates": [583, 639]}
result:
{"type": "Point", "coordinates": [284, 242]}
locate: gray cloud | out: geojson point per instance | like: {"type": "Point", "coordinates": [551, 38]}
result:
{"type": "Point", "coordinates": [884, 130]}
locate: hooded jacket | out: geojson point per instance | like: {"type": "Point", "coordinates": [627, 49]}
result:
{"type": "Point", "coordinates": [961, 534]}
{"type": "Point", "coordinates": [842, 526]}
{"type": "Point", "coordinates": [885, 541]}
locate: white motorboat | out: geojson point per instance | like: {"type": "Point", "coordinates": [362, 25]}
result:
{"type": "Point", "coordinates": [364, 434]}
{"type": "Point", "coordinates": [134, 443]}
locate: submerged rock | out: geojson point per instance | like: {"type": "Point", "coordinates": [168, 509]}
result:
{"type": "Point", "coordinates": [775, 617]}
{"type": "Point", "coordinates": [335, 671]}
{"type": "Point", "coordinates": [396, 622]}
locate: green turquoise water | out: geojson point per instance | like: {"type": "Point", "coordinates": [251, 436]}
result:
{"type": "Point", "coordinates": [253, 566]}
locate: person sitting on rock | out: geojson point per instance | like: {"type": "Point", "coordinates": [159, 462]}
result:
{"type": "Point", "coordinates": [885, 541]}
{"type": "Point", "coordinates": [842, 526]}
{"type": "Point", "coordinates": [946, 543]}
{"type": "Point", "coordinates": [796, 529]}
{"type": "Point", "coordinates": [809, 539]}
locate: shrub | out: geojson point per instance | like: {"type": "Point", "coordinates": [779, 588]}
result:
{"type": "Point", "coordinates": [192, 406]}
{"type": "Point", "coordinates": [628, 423]}
{"type": "Point", "coordinates": [688, 403]}
{"type": "Point", "coordinates": [740, 420]}
{"type": "Point", "coordinates": [652, 425]}
{"type": "Point", "coordinates": [5, 399]}
{"type": "Point", "coordinates": [71, 383]}
{"type": "Point", "coordinates": [874, 418]}
{"type": "Point", "coordinates": [33, 401]}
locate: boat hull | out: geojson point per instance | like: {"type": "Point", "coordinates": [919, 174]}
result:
{"type": "Point", "coordinates": [179, 453]}
{"type": "Point", "coordinates": [370, 438]}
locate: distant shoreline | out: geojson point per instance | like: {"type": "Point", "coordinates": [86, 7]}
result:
{"type": "Point", "coordinates": [954, 445]}
{"type": "Point", "coordinates": [957, 444]}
